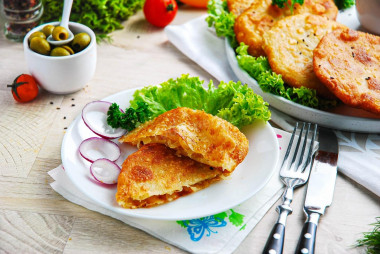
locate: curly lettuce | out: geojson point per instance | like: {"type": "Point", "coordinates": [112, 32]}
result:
{"type": "Point", "coordinates": [101, 16]}
{"type": "Point", "coordinates": [222, 20]}
{"type": "Point", "coordinates": [231, 101]}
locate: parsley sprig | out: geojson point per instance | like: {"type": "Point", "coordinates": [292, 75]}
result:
{"type": "Point", "coordinates": [282, 3]}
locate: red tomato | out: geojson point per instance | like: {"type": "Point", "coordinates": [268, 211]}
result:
{"type": "Point", "coordinates": [160, 12]}
{"type": "Point", "coordinates": [24, 88]}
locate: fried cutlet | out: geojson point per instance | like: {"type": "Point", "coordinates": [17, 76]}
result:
{"type": "Point", "coordinates": [348, 63]}
{"type": "Point", "coordinates": [289, 47]}
{"type": "Point", "coordinates": [155, 175]}
{"type": "Point", "coordinates": [261, 16]}
{"type": "Point", "coordinates": [238, 6]}
{"type": "Point", "coordinates": [193, 133]}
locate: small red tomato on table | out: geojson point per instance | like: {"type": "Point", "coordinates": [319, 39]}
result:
{"type": "Point", "coordinates": [24, 88]}
{"type": "Point", "coordinates": [160, 12]}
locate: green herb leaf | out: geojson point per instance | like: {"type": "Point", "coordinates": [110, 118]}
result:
{"type": "Point", "coordinates": [344, 4]}
{"type": "Point", "coordinates": [281, 3]}
{"type": "Point", "coordinates": [371, 240]}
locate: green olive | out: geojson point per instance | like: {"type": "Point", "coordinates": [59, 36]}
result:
{"type": "Point", "coordinates": [70, 50]}
{"type": "Point", "coordinates": [40, 45]}
{"type": "Point", "coordinates": [60, 33]}
{"type": "Point", "coordinates": [80, 41]}
{"type": "Point", "coordinates": [59, 51]}
{"type": "Point", "coordinates": [48, 30]}
{"type": "Point", "coordinates": [37, 34]}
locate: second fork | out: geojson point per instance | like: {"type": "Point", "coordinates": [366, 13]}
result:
{"type": "Point", "coordinates": [293, 173]}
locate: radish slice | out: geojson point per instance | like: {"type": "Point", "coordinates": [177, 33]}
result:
{"type": "Point", "coordinates": [105, 171]}
{"type": "Point", "coordinates": [97, 148]}
{"type": "Point", "coordinates": [94, 115]}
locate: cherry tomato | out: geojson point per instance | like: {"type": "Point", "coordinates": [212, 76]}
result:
{"type": "Point", "coordinates": [160, 12]}
{"type": "Point", "coordinates": [24, 88]}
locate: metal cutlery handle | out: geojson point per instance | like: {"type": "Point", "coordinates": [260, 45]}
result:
{"type": "Point", "coordinates": [275, 242]}
{"type": "Point", "coordinates": [306, 242]}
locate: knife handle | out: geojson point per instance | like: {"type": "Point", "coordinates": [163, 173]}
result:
{"type": "Point", "coordinates": [306, 242]}
{"type": "Point", "coordinates": [275, 242]}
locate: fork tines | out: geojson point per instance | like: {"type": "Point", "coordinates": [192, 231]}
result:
{"type": "Point", "coordinates": [303, 150]}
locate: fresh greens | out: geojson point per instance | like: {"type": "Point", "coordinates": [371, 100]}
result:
{"type": "Point", "coordinates": [344, 4]}
{"type": "Point", "coordinates": [101, 16]}
{"type": "Point", "coordinates": [281, 3]}
{"type": "Point", "coordinates": [128, 120]}
{"type": "Point", "coordinates": [371, 240]}
{"type": "Point", "coordinates": [222, 20]}
{"type": "Point", "coordinates": [231, 101]}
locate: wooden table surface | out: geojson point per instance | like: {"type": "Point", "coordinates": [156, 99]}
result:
{"type": "Point", "coordinates": [35, 219]}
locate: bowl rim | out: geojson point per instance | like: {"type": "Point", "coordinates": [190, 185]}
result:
{"type": "Point", "coordinates": [61, 58]}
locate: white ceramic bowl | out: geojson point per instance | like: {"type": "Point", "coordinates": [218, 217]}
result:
{"type": "Point", "coordinates": [66, 74]}
{"type": "Point", "coordinates": [369, 14]}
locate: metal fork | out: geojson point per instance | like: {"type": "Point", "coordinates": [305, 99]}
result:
{"type": "Point", "coordinates": [293, 173]}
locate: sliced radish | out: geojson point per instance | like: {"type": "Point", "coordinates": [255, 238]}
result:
{"type": "Point", "coordinates": [97, 148]}
{"type": "Point", "coordinates": [105, 171]}
{"type": "Point", "coordinates": [94, 115]}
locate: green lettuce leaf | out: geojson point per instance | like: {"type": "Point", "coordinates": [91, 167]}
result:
{"type": "Point", "coordinates": [101, 16]}
{"type": "Point", "coordinates": [231, 101]}
{"type": "Point", "coordinates": [222, 20]}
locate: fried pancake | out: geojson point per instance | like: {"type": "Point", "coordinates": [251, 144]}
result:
{"type": "Point", "coordinates": [155, 175]}
{"type": "Point", "coordinates": [193, 133]}
{"type": "Point", "coordinates": [348, 63]}
{"type": "Point", "coordinates": [261, 15]}
{"type": "Point", "coordinates": [289, 47]}
{"type": "Point", "coordinates": [238, 6]}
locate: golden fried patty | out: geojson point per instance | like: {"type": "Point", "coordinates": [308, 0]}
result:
{"type": "Point", "coordinates": [155, 175]}
{"type": "Point", "coordinates": [348, 63]}
{"type": "Point", "coordinates": [289, 47]}
{"type": "Point", "coordinates": [238, 6]}
{"type": "Point", "coordinates": [261, 15]}
{"type": "Point", "coordinates": [201, 136]}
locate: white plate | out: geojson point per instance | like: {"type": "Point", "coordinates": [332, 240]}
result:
{"type": "Point", "coordinates": [341, 118]}
{"type": "Point", "coordinates": [247, 179]}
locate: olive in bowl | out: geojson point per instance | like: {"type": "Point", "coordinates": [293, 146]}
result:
{"type": "Point", "coordinates": [64, 74]}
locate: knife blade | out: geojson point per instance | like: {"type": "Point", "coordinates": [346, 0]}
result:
{"type": "Point", "coordinates": [320, 189]}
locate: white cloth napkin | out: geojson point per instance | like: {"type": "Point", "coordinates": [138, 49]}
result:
{"type": "Point", "coordinates": [199, 236]}
{"type": "Point", "coordinates": [359, 156]}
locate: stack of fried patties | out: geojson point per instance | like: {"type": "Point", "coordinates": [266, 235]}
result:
{"type": "Point", "coordinates": [310, 49]}
{"type": "Point", "coordinates": [180, 152]}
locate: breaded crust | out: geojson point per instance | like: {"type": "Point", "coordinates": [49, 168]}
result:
{"type": "Point", "coordinates": [201, 136]}
{"type": "Point", "coordinates": [238, 6]}
{"type": "Point", "coordinates": [348, 63]}
{"type": "Point", "coordinates": [261, 16]}
{"type": "Point", "coordinates": [289, 47]}
{"type": "Point", "coordinates": [155, 175]}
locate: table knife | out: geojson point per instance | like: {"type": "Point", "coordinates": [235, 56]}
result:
{"type": "Point", "coordinates": [320, 188]}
